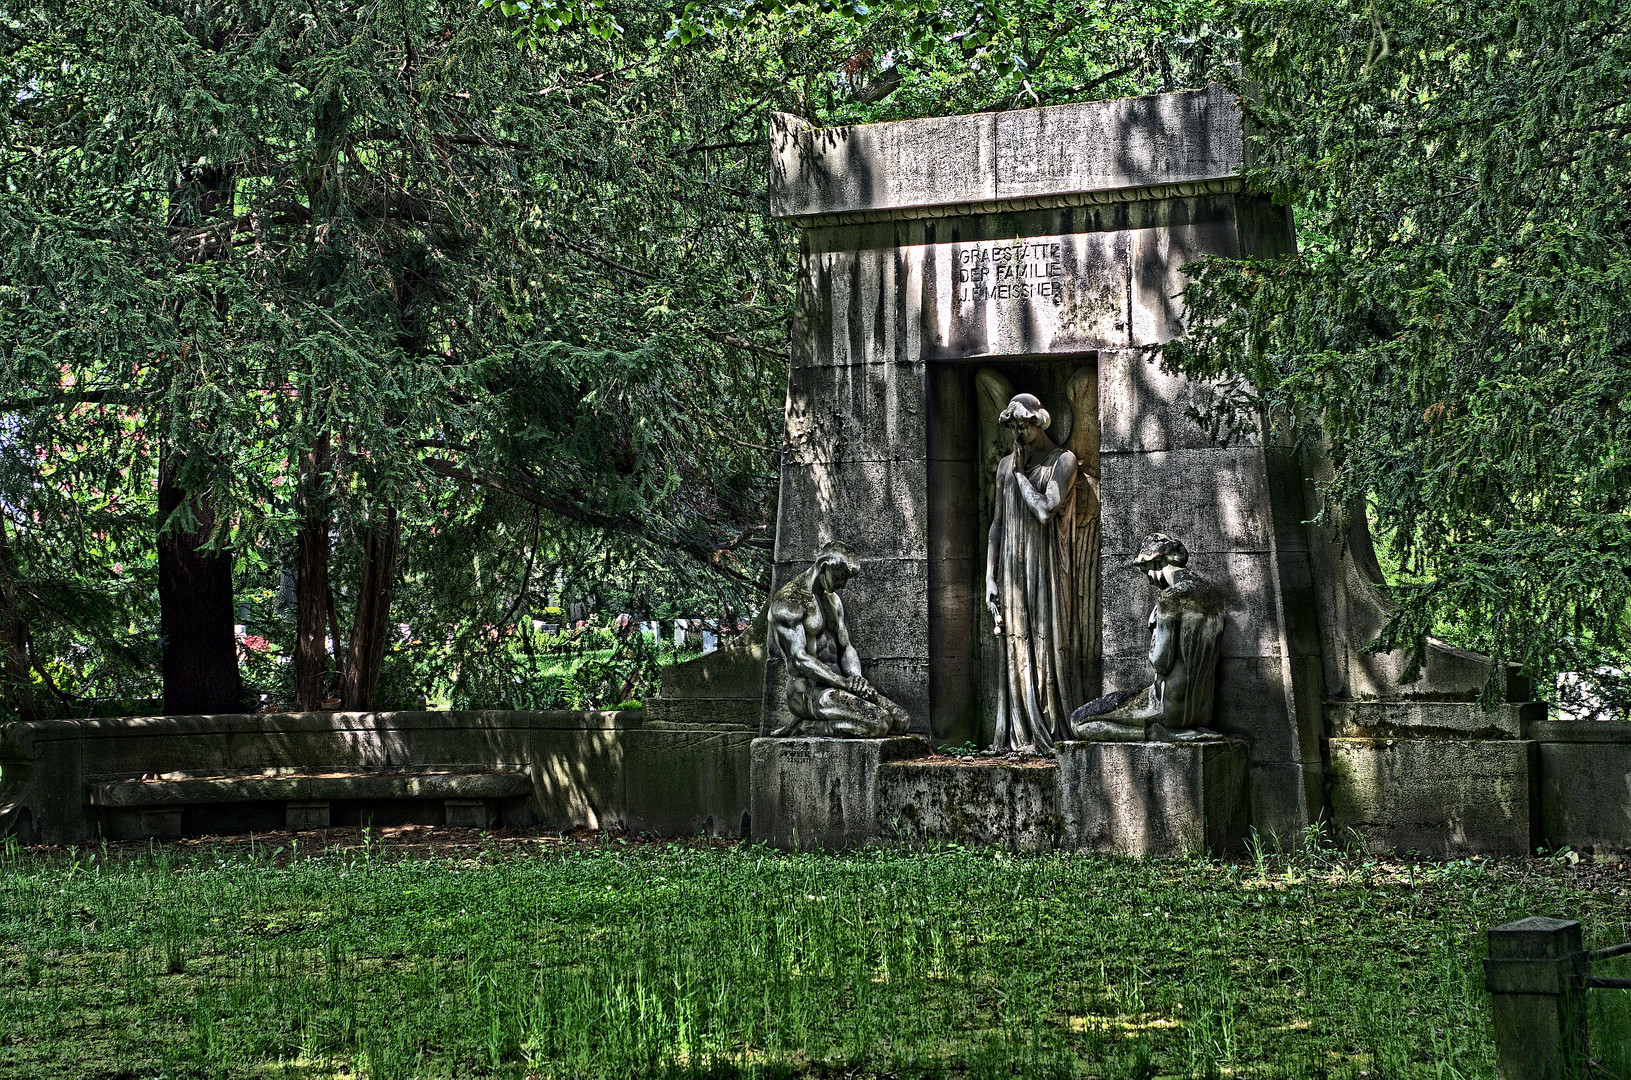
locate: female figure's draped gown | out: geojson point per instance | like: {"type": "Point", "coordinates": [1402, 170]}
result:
{"type": "Point", "coordinates": [1036, 679]}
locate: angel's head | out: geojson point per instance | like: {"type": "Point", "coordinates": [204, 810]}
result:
{"type": "Point", "coordinates": [1027, 417]}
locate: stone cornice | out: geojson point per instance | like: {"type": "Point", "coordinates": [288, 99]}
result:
{"type": "Point", "coordinates": [1227, 185]}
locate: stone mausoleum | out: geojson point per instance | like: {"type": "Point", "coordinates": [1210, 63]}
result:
{"type": "Point", "coordinates": [978, 440]}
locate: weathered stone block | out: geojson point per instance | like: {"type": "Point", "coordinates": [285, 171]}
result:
{"type": "Point", "coordinates": [1154, 798]}
{"type": "Point", "coordinates": [1089, 147]}
{"type": "Point", "coordinates": [728, 713]}
{"type": "Point", "coordinates": [987, 804]}
{"type": "Point", "coordinates": [838, 318]}
{"type": "Point", "coordinates": [1543, 728]}
{"type": "Point", "coordinates": [879, 508]}
{"type": "Point", "coordinates": [1159, 256]}
{"type": "Point", "coordinates": [721, 689]}
{"type": "Point", "coordinates": [856, 412]}
{"type": "Point", "coordinates": [1142, 408]}
{"type": "Point", "coordinates": [1442, 797]}
{"type": "Point", "coordinates": [1585, 795]}
{"type": "Point", "coordinates": [876, 166]}
{"type": "Point", "coordinates": [1001, 297]}
{"type": "Point", "coordinates": [1286, 798]}
{"type": "Point", "coordinates": [578, 778]}
{"type": "Point", "coordinates": [682, 783]}
{"type": "Point", "coordinates": [1121, 143]}
{"type": "Point", "coordinates": [1215, 500]}
{"type": "Point", "coordinates": [822, 794]}
{"type": "Point", "coordinates": [300, 816]}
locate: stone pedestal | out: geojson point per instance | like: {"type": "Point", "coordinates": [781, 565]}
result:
{"type": "Point", "coordinates": [1154, 798]}
{"type": "Point", "coordinates": [925, 802]}
{"type": "Point", "coordinates": [822, 794]}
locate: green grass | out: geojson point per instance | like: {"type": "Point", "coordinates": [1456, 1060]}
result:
{"type": "Point", "coordinates": [551, 959]}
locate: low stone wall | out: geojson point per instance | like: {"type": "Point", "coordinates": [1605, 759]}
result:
{"type": "Point", "coordinates": [1584, 785]}
{"type": "Point", "coordinates": [1442, 778]}
{"type": "Point", "coordinates": [1449, 779]}
{"type": "Point", "coordinates": [723, 690]}
{"type": "Point", "coordinates": [595, 769]}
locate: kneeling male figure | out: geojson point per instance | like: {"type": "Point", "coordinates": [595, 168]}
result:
{"type": "Point", "coordinates": [825, 691]}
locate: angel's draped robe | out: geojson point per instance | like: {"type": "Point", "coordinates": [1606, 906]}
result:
{"type": "Point", "coordinates": [1036, 681]}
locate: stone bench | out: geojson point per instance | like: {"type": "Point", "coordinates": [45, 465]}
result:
{"type": "Point", "coordinates": [68, 781]}
{"type": "Point", "coordinates": [152, 806]}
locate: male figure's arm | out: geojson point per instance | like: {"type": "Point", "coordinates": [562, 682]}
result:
{"type": "Point", "coordinates": [849, 661]}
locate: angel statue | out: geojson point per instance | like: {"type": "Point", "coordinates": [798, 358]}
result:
{"type": "Point", "coordinates": [1185, 626]}
{"type": "Point", "coordinates": [1031, 580]}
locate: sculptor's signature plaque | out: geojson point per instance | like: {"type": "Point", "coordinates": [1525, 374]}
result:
{"type": "Point", "coordinates": [1009, 270]}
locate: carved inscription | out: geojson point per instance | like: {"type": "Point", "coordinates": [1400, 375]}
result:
{"type": "Point", "coordinates": [1009, 270]}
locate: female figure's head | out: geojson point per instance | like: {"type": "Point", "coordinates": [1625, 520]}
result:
{"type": "Point", "coordinates": [1028, 418]}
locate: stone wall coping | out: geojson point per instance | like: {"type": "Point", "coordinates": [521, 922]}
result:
{"type": "Point", "coordinates": [22, 741]}
{"type": "Point", "coordinates": [985, 162]}
{"type": "Point", "coordinates": [1180, 190]}
{"type": "Point", "coordinates": [1425, 718]}
{"type": "Point", "coordinates": [890, 747]}
{"type": "Point", "coordinates": [1578, 731]}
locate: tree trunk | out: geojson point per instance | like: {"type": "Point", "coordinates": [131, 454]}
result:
{"type": "Point", "coordinates": [19, 686]}
{"type": "Point", "coordinates": [370, 627]}
{"type": "Point", "coordinates": [311, 658]}
{"type": "Point", "coordinates": [195, 608]}
{"type": "Point", "coordinates": [195, 586]}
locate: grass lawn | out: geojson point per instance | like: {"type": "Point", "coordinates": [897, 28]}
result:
{"type": "Point", "coordinates": [593, 957]}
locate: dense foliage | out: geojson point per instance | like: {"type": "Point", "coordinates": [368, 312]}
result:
{"type": "Point", "coordinates": [1457, 323]}
{"type": "Point", "coordinates": [429, 319]}
{"type": "Point", "coordinates": [425, 328]}
{"type": "Point", "coordinates": [498, 320]}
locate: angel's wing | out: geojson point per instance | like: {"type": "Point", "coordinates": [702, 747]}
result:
{"type": "Point", "coordinates": [1082, 393]}
{"type": "Point", "coordinates": [992, 391]}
